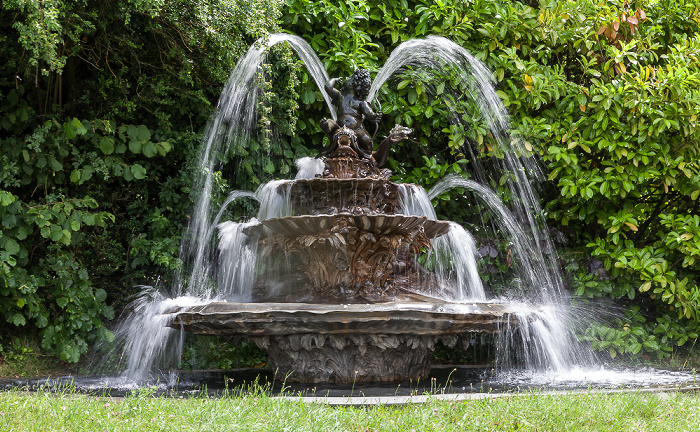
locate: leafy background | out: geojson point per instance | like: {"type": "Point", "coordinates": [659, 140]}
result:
{"type": "Point", "coordinates": [103, 105]}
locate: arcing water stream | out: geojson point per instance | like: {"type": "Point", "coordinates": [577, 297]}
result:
{"type": "Point", "coordinates": [226, 269]}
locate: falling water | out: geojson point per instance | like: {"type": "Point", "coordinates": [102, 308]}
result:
{"type": "Point", "coordinates": [148, 342]}
{"type": "Point", "coordinates": [233, 123]}
{"type": "Point", "coordinates": [543, 338]}
{"type": "Point", "coordinates": [456, 263]}
{"type": "Point", "coordinates": [275, 199]}
{"type": "Point", "coordinates": [238, 260]}
{"type": "Point", "coordinates": [433, 54]}
{"type": "Point", "coordinates": [308, 168]}
{"type": "Point", "coordinates": [415, 201]}
{"type": "Point", "coordinates": [532, 260]}
{"type": "Point", "coordinates": [454, 253]}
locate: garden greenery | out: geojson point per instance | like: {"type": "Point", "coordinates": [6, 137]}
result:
{"type": "Point", "coordinates": [103, 106]}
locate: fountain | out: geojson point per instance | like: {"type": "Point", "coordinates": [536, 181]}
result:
{"type": "Point", "coordinates": [351, 305]}
{"type": "Point", "coordinates": [346, 276]}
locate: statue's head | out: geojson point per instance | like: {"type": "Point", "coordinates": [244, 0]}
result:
{"type": "Point", "coordinates": [361, 83]}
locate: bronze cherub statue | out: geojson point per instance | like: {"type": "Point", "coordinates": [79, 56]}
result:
{"type": "Point", "coordinates": [353, 110]}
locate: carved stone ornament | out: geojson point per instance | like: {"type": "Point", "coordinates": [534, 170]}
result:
{"type": "Point", "coordinates": [318, 358]}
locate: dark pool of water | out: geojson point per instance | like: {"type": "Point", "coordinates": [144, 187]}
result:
{"type": "Point", "coordinates": [443, 379]}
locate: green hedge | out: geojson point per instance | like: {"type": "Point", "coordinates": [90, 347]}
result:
{"type": "Point", "coordinates": [103, 106]}
{"type": "Point", "coordinates": [607, 94]}
{"type": "Point", "coordinates": [100, 117]}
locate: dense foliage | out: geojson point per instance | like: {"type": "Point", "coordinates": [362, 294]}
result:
{"type": "Point", "coordinates": [609, 96]}
{"type": "Point", "coordinates": [103, 103]}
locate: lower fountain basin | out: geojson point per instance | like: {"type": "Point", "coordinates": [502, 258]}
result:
{"type": "Point", "coordinates": [274, 319]}
{"type": "Point", "coordinates": [346, 343]}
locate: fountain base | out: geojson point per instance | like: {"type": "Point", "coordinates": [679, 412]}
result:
{"type": "Point", "coordinates": [346, 343]}
{"type": "Point", "coordinates": [336, 359]}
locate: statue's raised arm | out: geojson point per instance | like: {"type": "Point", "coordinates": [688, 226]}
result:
{"type": "Point", "coordinates": [335, 95]}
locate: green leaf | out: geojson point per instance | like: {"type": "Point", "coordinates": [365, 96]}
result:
{"type": "Point", "coordinates": [55, 165]}
{"type": "Point", "coordinates": [75, 176]}
{"type": "Point", "coordinates": [107, 145]}
{"type": "Point", "coordinates": [149, 149]}
{"type": "Point", "coordinates": [22, 232]}
{"type": "Point", "coordinates": [19, 320]}
{"type": "Point", "coordinates": [133, 132]}
{"type": "Point", "coordinates": [100, 295]}
{"type": "Point", "coordinates": [503, 95]}
{"type": "Point", "coordinates": [138, 171]}
{"type": "Point", "coordinates": [20, 303]}
{"type": "Point", "coordinates": [135, 146]}
{"type": "Point", "coordinates": [75, 225]}
{"type": "Point", "coordinates": [143, 134]}
{"type": "Point", "coordinates": [412, 96]}
{"type": "Point", "coordinates": [86, 174]}
{"type": "Point", "coordinates": [9, 220]}
{"type": "Point", "coordinates": [56, 233]}
{"type": "Point", "coordinates": [62, 302]}
{"type": "Point", "coordinates": [163, 147]}
{"type": "Point", "coordinates": [70, 131]}
{"type": "Point", "coordinates": [127, 174]}
{"type": "Point", "coordinates": [65, 239]}
{"type": "Point", "coordinates": [79, 128]}
{"type": "Point", "coordinates": [89, 219]}
{"type": "Point", "coordinates": [11, 246]}
{"type": "Point", "coordinates": [6, 198]}
{"type": "Point", "coordinates": [42, 321]}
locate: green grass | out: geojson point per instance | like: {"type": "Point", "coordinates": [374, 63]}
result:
{"type": "Point", "coordinates": [20, 411]}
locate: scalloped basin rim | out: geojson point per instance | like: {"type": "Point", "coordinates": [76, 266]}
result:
{"type": "Point", "coordinates": [283, 319]}
{"type": "Point", "coordinates": [380, 223]}
{"type": "Point", "coordinates": [322, 180]}
{"type": "Point", "coordinates": [317, 308]}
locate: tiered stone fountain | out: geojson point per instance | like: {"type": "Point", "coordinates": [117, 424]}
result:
{"type": "Point", "coordinates": [353, 306]}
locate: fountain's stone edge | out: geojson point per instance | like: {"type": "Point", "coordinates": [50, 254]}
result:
{"type": "Point", "coordinates": [277, 319]}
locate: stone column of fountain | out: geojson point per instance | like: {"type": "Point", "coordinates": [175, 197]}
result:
{"type": "Point", "coordinates": [340, 297]}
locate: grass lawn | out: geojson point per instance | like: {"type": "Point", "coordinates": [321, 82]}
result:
{"type": "Point", "coordinates": [21, 411]}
